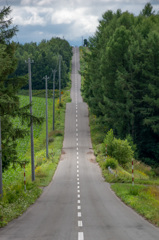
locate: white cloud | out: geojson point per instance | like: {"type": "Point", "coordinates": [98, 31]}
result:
{"type": "Point", "coordinates": [30, 16]}
{"type": "Point", "coordinates": [71, 18]}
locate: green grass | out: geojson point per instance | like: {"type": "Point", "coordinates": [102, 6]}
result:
{"type": "Point", "coordinates": [15, 201]}
{"type": "Point", "coordinates": [38, 111]}
{"type": "Point", "coordinates": [144, 199]}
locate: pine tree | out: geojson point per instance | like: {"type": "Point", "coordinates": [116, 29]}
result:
{"type": "Point", "coordinates": [9, 87]}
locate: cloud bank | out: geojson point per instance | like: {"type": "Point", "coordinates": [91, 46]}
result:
{"type": "Point", "coordinates": [71, 19]}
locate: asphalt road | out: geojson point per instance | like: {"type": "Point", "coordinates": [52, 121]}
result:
{"type": "Point", "coordinates": [78, 204]}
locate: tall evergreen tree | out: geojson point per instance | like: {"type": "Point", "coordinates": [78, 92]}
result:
{"type": "Point", "coordinates": [9, 87]}
{"type": "Point", "coordinates": [121, 77]}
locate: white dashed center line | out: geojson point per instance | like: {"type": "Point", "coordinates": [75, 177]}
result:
{"type": "Point", "coordinates": [80, 224]}
{"type": "Point", "coordinates": [80, 236]}
{"type": "Point", "coordinates": [79, 214]}
{"type": "Point", "coordinates": [79, 208]}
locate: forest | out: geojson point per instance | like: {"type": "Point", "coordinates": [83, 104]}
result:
{"type": "Point", "coordinates": [46, 56]}
{"type": "Point", "coordinates": [121, 78]}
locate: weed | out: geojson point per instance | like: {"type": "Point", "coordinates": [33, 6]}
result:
{"type": "Point", "coordinates": [153, 191]}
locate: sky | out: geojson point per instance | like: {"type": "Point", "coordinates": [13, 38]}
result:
{"type": "Point", "coordinates": [73, 20]}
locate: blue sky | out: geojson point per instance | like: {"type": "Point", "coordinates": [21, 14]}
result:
{"type": "Point", "coordinates": [73, 20]}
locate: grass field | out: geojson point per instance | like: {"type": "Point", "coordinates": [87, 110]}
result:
{"type": "Point", "coordinates": [15, 200]}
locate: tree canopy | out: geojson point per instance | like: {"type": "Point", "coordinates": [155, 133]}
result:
{"type": "Point", "coordinates": [121, 77]}
{"type": "Point", "coordinates": [46, 57]}
{"type": "Point", "coordinates": [9, 101]}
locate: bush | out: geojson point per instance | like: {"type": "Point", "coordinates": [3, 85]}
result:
{"type": "Point", "coordinates": [118, 149]}
{"type": "Point", "coordinates": [122, 151]}
{"type": "Point", "coordinates": [111, 162]}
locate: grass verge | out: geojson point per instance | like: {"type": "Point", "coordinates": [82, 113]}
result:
{"type": "Point", "coordinates": [144, 199]}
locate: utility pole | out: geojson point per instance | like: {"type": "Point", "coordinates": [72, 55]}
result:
{"type": "Point", "coordinates": [47, 152]}
{"type": "Point", "coordinates": [59, 79]}
{"type": "Point", "coordinates": [31, 127]}
{"type": "Point", "coordinates": [1, 185]}
{"type": "Point", "coordinates": [54, 72]}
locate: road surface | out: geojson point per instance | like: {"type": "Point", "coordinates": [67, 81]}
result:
{"type": "Point", "coordinates": [78, 204]}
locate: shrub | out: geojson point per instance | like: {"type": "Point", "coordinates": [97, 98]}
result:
{"type": "Point", "coordinates": [133, 146]}
{"type": "Point", "coordinates": [118, 149]}
{"type": "Point", "coordinates": [111, 162]}
{"type": "Point", "coordinates": [109, 138]}
{"type": "Point", "coordinates": [122, 151]}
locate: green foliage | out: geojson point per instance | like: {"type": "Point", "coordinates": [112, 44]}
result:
{"type": "Point", "coordinates": [111, 162]}
{"type": "Point", "coordinates": [6, 31]}
{"type": "Point", "coordinates": [46, 56]}
{"type": "Point", "coordinates": [117, 148]}
{"type": "Point", "coordinates": [123, 174]}
{"type": "Point", "coordinates": [120, 72]}
{"type": "Point", "coordinates": [122, 151]}
{"type": "Point", "coordinates": [147, 11]}
{"type": "Point", "coordinates": [134, 190]}
{"type": "Point", "coordinates": [9, 86]}
{"type": "Point", "coordinates": [109, 138]}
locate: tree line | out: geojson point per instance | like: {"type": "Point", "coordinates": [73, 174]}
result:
{"type": "Point", "coordinates": [121, 78]}
{"type": "Point", "coordinates": [14, 76]}
{"type": "Point", "coordinates": [46, 56]}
